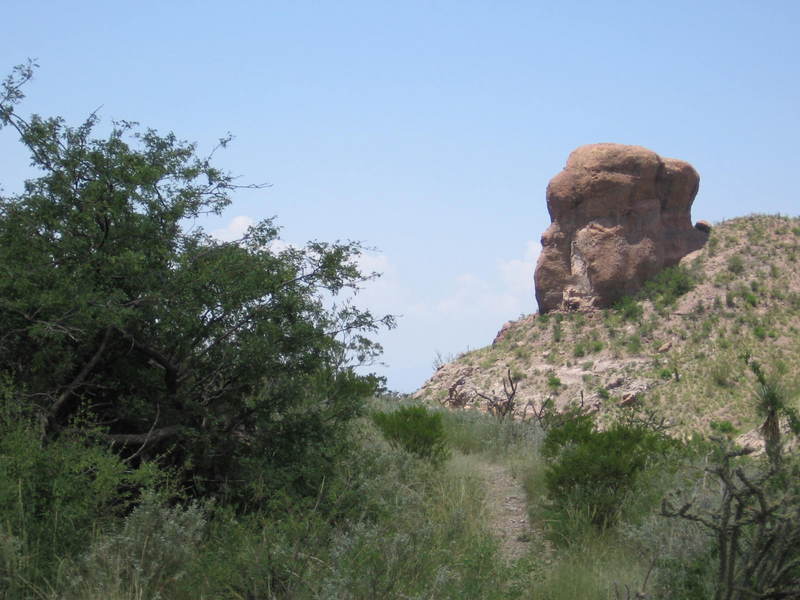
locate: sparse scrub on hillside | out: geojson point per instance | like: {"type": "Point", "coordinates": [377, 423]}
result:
{"type": "Point", "coordinates": [736, 264]}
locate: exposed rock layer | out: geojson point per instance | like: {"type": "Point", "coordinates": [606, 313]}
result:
{"type": "Point", "coordinates": [619, 215]}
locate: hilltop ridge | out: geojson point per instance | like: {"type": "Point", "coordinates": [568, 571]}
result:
{"type": "Point", "coordinates": [680, 354]}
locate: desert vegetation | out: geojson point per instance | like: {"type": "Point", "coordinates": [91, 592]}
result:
{"type": "Point", "coordinates": [181, 418]}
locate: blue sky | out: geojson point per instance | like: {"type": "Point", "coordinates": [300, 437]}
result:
{"type": "Point", "coordinates": [430, 129]}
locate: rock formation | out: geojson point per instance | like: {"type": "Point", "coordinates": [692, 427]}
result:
{"type": "Point", "coordinates": [619, 214]}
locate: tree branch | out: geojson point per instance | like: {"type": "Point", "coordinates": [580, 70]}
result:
{"type": "Point", "coordinates": [142, 439]}
{"type": "Point", "coordinates": [79, 378]}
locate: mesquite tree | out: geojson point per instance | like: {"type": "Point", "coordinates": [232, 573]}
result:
{"type": "Point", "coordinates": [220, 358]}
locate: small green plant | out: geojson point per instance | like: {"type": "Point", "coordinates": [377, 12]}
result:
{"type": "Point", "coordinates": [628, 308]}
{"type": "Point", "coordinates": [416, 430]}
{"type": "Point", "coordinates": [736, 264]}
{"type": "Point", "coordinates": [558, 331]}
{"type": "Point", "coordinates": [595, 346]}
{"type": "Point", "coordinates": [603, 393]}
{"type": "Point", "coordinates": [724, 427]}
{"type": "Point", "coordinates": [553, 382]}
{"type": "Point", "coordinates": [634, 344]}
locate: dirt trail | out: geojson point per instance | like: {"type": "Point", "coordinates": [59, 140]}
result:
{"type": "Point", "coordinates": [507, 511]}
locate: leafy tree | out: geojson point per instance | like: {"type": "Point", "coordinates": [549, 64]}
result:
{"type": "Point", "coordinates": [221, 358]}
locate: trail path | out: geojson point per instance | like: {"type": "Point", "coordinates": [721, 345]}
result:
{"type": "Point", "coordinates": [507, 511]}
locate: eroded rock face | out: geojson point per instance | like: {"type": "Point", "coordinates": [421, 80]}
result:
{"type": "Point", "coordinates": [619, 214]}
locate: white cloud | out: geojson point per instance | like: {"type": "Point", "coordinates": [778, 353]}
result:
{"type": "Point", "coordinates": [468, 314]}
{"type": "Point", "coordinates": [504, 294]}
{"type": "Point", "coordinates": [233, 230]}
{"type": "Point", "coordinates": [517, 274]}
{"type": "Point", "coordinates": [371, 262]}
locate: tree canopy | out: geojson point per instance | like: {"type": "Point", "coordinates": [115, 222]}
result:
{"type": "Point", "coordinates": [119, 314]}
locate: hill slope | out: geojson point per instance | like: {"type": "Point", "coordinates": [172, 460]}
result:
{"type": "Point", "coordinates": [681, 357]}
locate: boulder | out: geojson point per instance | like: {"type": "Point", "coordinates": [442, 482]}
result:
{"type": "Point", "coordinates": [619, 215]}
{"type": "Point", "coordinates": [703, 226]}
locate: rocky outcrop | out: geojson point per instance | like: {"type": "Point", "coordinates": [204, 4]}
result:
{"type": "Point", "coordinates": [619, 214]}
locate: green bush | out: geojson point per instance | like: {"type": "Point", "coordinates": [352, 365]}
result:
{"type": "Point", "coordinates": [668, 285]}
{"type": "Point", "coordinates": [628, 308]}
{"type": "Point", "coordinates": [416, 430]}
{"type": "Point", "coordinates": [53, 496]}
{"type": "Point", "coordinates": [725, 427]}
{"type": "Point", "coordinates": [595, 471]}
{"type": "Point", "coordinates": [735, 264]}
{"type": "Point", "coordinates": [147, 557]}
{"type": "Point", "coordinates": [663, 290]}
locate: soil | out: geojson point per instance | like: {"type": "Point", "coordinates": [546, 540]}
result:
{"type": "Point", "coordinates": [508, 513]}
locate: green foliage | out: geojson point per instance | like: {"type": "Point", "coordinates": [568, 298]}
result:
{"type": "Point", "coordinates": [220, 358]}
{"type": "Point", "coordinates": [558, 330]}
{"type": "Point", "coordinates": [772, 406]}
{"type": "Point", "coordinates": [148, 557]}
{"type": "Point", "coordinates": [633, 344]}
{"type": "Point", "coordinates": [724, 427]}
{"type": "Point", "coordinates": [736, 264]}
{"type": "Point", "coordinates": [585, 347]}
{"type": "Point", "coordinates": [52, 495]}
{"type": "Point", "coordinates": [472, 432]}
{"type": "Point", "coordinates": [628, 308]}
{"type": "Point", "coordinates": [668, 285]}
{"type": "Point", "coordinates": [553, 382]}
{"type": "Point", "coordinates": [754, 525]}
{"type": "Point", "coordinates": [663, 290]}
{"type": "Point", "coordinates": [595, 471]}
{"type": "Point", "coordinates": [415, 429]}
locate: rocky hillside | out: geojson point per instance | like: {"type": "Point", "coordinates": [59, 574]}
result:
{"type": "Point", "coordinates": [675, 351]}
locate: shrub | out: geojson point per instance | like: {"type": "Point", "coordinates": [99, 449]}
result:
{"type": "Point", "coordinates": [149, 555]}
{"type": "Point", "coordinates": [553, 382]}
{"type": "Point", "coordinates": [53, 495]}
{"type": "Point", "coordinates": [668, 285]}
{"type": "Point", "coordinates": [628, 308]}
{"type": "Point", "coordinates": [558, 332]}
{"type": "Point", "coordinates": [416, 430]}
{"type": "Point", "coordinates": [595, 471]}
{"type": "Point", "coordinates": [735, 264]}
{"type": "Point", "coordinates": [634, 344]}
{"type": "Point", "coordinates": [724, 427]}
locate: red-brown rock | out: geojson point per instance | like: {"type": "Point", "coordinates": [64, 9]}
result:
{"type": "Point", "coordinates": [703, 226]}
{"type": "Point", "coordinates": [619, 214]}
